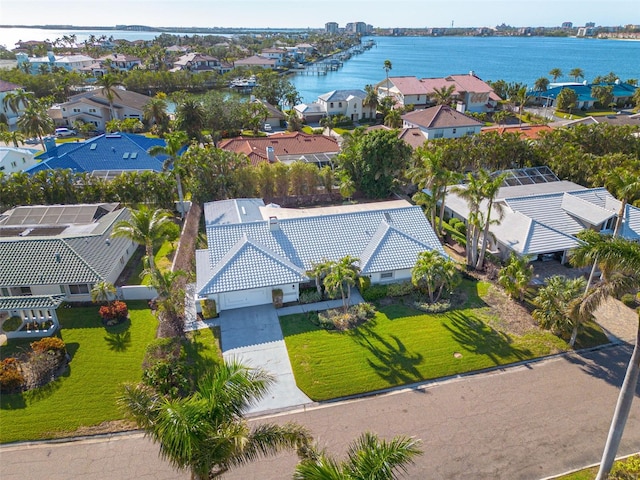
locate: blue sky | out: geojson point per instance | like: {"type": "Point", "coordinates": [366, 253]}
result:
{"type": "Point", "coordinates": [310, 13]}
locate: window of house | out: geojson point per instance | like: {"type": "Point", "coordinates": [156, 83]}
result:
{"type": "Point", "coordinates": [340, 104]}
{"type": "Point", "coordinates": [5, 291]}
{"type": "Point", "coordinates": [331, 104]}
{"type": "Point", "coordinates": [76, 110]}
{"type": "Point", "coordinates": [79, 289]}
{"type": "Point", "coordinates": [62, 290]}
{"type": "Point", "coordinates": [13, 164]}
{"type": "Point", "coordinates": [64, 109]}
{"type": "Point", "coordinates": [438, 134]}
{"type": "Point", "coordinates": [454, 130]}
{"type": "Point", "coordinates": [25, 290]}
{"type": "Point", "coordinates": [384, 275]}
{"type": "Point", "coordinates": [92, 110]}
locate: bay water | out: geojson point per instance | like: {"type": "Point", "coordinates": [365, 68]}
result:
{"type": "Point", "coordinates": [513, 59]}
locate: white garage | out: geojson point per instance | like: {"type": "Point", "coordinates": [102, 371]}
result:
{"type": "Point", "coordinates": [245, 298]}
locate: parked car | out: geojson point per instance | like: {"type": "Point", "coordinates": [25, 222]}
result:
{"type": "Point", "coordinates": [32, 141]}
{"type": "Point", "coordinates": [64, 132]}
{"type": "Point", "coordinates": [267, 127]}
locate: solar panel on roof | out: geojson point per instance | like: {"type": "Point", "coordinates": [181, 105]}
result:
{"type": "Point", "coordinates": [134, 155]}
{"type": "Point", "coordinates": [93, 146]}
{"type": "Point", "coordinates": [125, 155]}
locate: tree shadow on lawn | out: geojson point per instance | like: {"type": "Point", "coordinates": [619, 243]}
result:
{"type": "Point", "coordinates": [392, 361]}
{"type": "Point", "coordinates": [194, 350]}
{"type": "Point", "coordinates": [118, 336]}
{"type": "Point", "coordinates": [477, 337]}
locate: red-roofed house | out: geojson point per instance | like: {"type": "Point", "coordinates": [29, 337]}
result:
{"type": "Point", "coordinates": [284, 147]}
{"type": "Point", "coordinates": [470, 92]}
{"type": "Point", "coordinates": [441, 122]}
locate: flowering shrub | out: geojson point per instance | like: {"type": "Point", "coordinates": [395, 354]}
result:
{"type": "Point", "coordinates": [11, 378]}
{"type": "Point", "coordinates": [114, 313]}
{"type": "Point", "coordinates": [48, 344]}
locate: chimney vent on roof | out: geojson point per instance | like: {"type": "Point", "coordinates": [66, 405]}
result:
{"type": "Point", "coordinates": [57, 257]}
{"type": "Point", "coordinates": [274, 226]}
{"type": "Point", "coordinates": [271, 154]}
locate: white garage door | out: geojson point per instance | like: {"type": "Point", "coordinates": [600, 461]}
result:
{"type": "Point", "coordinates": [245, 298]}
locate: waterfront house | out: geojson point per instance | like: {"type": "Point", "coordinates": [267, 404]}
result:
{"type": "Point", "coordinates": [93, 107]}
{"type": "Point", "coordinates": [198, 62]}
{"type": "Point", "coordinates": [441, 122]}
{"type": "Point", "coordinates": [256, 61]}
{"type": "Point", "coordinates": [255, 249]}
{"type": "Point", "coordinates": [469, 92]}
{"type": "Point", "coordinates": [542, 214]}
{"type": "Point", "coordinates": [622, 94]}
{"type": "Point", "coordinates": [116, 61]}
{"type": "Point", "coordinates": [75, 63]}
{"type": "Point", "coordinates": [287, 147]}
{"type": "Point", "coordinates": [275, 117]}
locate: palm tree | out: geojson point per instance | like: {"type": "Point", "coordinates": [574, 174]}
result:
{"type": "Point", "coordinates": [626, 186]}
{"type": "Point", "coordinates": [206, 432]}
{"type": "Point", "coordinates": [576, 73]}
{"type": "Point", "coordinates": [556, 73]}
{"type": "Point", "coordinates": [319, 271]}
{"type": "Point", "coordinates": [175, 143]}
{"type": "Point", "coordinates": [515, 276]}
{"type": "Point", "coordinates": [190, 117]}
{"type": "Point", "coordinates": [387, 68]}
{"type": "Point", "coordinates": [371, 99]}
{"type": "Point", "coordinates": [341, 277]}
{"type": "Point", "coordinates": [103, 292]}
{"type": "Point", "coordinates": [368, 457]}
{"type": "Point", "coordinates": [35, 121]}
{"type": "Point", "coordinates": [490, 189]}
{"type": "Point", "coordinates": [327, 123]}
{"type": "Point", "coordinates": [109, 84]}
{"type": "Point", "coordinates": [444, 95]}
{"type": "Point", "coordinates": [541, 84]}
{"type": "Point", "coordinates": [393, 119]}
{"type": "Point", "coordinates": [145, 227]}
{"type": "Point", "coordinates": [619, 259]}
{"type": "Point", "coordinates": [13, 101]}
{"type": "Point", "coordinates": [555, 302]}
{"type": "Point", "coordinates": [433, 273]}
{"type": "Point", "coordinates": [170, 300]}
{"type": "Point", "coordinates": [155, 112]}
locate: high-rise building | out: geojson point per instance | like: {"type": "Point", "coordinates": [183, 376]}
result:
{"type": "Point", "coordinates": [331, 27]}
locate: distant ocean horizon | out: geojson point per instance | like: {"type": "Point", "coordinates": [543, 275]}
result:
{"type": "Point", "coordinates": [513, 59]}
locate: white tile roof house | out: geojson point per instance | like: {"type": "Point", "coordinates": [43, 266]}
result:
{"type": "Point", "coordinates": [254, 249]}
{"type": "Point", "coordinates": [543, 218]}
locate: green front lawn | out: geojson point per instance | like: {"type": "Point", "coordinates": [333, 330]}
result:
{"type": "Point", "coordinates": [102, 359]}
{"type": "Point", "coordinates": [402, 346]}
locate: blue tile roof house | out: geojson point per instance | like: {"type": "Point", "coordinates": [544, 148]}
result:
{"type": "Point", "coordinates": [114, 152]}
{"type": "Point", "coordinates": [622, 93]}
{"type": "Point", "coordinates": [254, 249]}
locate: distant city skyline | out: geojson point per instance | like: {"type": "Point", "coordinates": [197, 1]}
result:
{"type": "Point", "coordinates": [297, 14]}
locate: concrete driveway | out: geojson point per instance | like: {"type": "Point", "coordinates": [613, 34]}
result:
{"type": "Point", "coordinates": [253, 336]}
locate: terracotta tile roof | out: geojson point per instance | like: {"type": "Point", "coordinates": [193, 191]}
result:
{"type": "Point", "coordinates": [408, 85]}
{"type": "Point", "coordinates": [440, 117]}
{"type": "Point", "coordinates": [295, 143]}
{"type": "Point", "coordinates": [470, 83]}
{"type": "Point", "coordinates": [525, 131]}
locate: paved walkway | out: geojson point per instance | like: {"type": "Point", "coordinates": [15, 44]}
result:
{"type": "Point", "coordinates": [517, 423]}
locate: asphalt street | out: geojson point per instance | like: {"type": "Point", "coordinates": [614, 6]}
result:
{"type": "Point", "coordinates": [525, 422]}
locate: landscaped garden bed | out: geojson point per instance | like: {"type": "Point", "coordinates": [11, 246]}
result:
{"type": "Point", "coordinates": [102, 358]}
{"type": "Point", "coordinates": [402, 345]}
